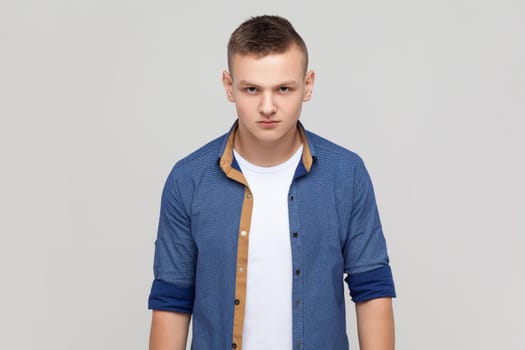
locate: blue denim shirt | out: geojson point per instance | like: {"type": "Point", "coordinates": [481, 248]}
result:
{"type": "Point", "coordinates": [202, 245]}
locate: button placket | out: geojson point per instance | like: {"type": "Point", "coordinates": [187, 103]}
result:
{"type": "Point", "coordinates": [297, 261]}
{"type": "Point", "coordinates": [240, 278]}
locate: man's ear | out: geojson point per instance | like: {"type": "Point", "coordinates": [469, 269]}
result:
{"type": "Point", "coordinates": [228, 85]}
{"type": "Point", "coordinates": [309, 80]}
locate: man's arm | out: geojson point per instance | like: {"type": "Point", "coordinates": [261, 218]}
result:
{"type": "Point", "coordinates": [169, 330]}
{"type": "Point", "coordinates": [375, 324]}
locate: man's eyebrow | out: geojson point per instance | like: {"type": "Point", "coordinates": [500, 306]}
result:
{"type": "Point", "coordinates": [284, 83]}
{"type": "Point", "coordinates": [245, 82]}
{"type": "Point", "coordinates": [288, 83]}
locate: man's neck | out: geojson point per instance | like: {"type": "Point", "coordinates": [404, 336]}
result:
{"type": "Point", "coordinates": [267, 154]}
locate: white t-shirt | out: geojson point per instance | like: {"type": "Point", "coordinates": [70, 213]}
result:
{"type": "Point", "coordinates": [268, 315]}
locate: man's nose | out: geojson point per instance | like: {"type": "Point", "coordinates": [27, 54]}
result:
{"type": "Point", "coordinates": [267, 106]}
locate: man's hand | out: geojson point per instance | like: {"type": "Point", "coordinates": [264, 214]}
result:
{"type": "Point", "coordinates": [375, 324]}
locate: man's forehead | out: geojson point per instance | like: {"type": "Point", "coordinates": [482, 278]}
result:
{"type": "Point", "coordinates": [267, 77]}
{"type": "Point", "coordinates": [293, 58]}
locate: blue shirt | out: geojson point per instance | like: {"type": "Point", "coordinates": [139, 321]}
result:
{"type": "Point", "coordinates": [201, 249]}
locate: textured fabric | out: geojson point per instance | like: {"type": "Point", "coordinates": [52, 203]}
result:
{"type": "Point", "coordinates": [334, 230]}
{"type": "Point", "coordinates": [169, 297]}
{"type": "Point", "coordinates": [269, 278]}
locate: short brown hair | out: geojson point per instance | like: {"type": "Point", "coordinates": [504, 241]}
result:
{"type": "Point", "coordinates": [264, 35]}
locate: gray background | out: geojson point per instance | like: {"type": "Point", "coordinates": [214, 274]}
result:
{"type": "Point", "coordinates": [98, 99]}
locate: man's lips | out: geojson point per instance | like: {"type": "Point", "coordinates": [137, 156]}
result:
{"type": "Point", "coordinates": [268, 123]}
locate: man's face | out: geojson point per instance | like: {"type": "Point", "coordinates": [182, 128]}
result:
{"type": "Point", "coordinates": [268, 93]}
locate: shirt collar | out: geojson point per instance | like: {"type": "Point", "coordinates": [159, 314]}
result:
{"type": "Point", "coordinates": [227, 160]}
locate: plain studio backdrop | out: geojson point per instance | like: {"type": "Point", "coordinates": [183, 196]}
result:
{"type": "Point", "coordinates": [98, 100]}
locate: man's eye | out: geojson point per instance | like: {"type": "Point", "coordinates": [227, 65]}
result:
{"type": "Point", "coordinates": [283, 89]}
{"type": "Point", "coordinates": [251, 89]}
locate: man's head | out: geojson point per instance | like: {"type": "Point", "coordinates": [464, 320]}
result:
{"type": "Point", "coordinates": [268, 82]}
{"type": "Point", "coordinates": [263, 35]}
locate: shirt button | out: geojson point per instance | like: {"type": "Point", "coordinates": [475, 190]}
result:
{"type": "Point", "coordinates": [243, 233]}
{"type": "Point", "coordinates": [297, 272]}
{"type": "Point", "coordinates": [234, 346]}
{"type": "Point", "coordinates": [292, 197]}
{"type": "Point", "coordinates": [295, 234]}
{"type": "Point", "coordinates": [237, 302]}
{"type": "Point", "coordinates": [249, 195]}
{"type": "Point", "coordinates": [241, 269]}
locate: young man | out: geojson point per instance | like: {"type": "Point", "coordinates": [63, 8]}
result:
{"type": "Point", "coordinates": [259, 227]}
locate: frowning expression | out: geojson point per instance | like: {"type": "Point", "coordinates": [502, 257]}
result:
{"type": "Point", "coordinates": [268, 93]}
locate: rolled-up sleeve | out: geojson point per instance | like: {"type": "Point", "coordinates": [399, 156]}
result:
{"type": "Point", "coordinates": [367, 266]}
{"type": "Point", "coordinates": [173, 288]}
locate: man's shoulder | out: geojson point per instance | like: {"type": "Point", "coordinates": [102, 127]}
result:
{"type": "Point", "coordinates": [324, 148]}
{"type": "Point", "coordinates": [201, 158]}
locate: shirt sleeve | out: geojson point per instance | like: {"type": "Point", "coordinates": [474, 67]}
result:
{"type": "Point", "coordinates": [175, 254]}
{"type": "Point", "coordinates": [367, 266]}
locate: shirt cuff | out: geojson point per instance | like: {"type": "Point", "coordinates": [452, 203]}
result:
{"type": "Point", "coordinates": [377, 283]}
{"type": "Point", "coordinates": [168, 297]}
